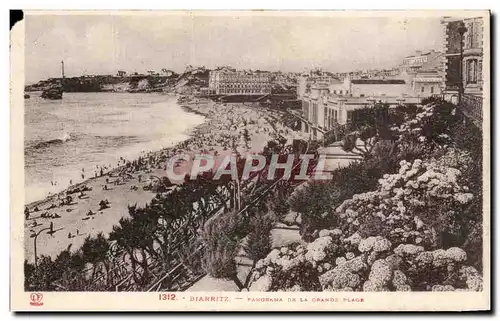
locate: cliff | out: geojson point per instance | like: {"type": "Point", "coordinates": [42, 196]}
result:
{"type": "Point", "coordinates": [191, 80]}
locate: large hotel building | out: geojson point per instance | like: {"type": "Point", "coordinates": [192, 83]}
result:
{"type": "Point", "coordinates": [238, 83]}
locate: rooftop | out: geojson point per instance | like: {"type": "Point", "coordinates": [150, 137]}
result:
{"type": "Point", "coordinates": [373, 99]}
{"type": "Point", "coordinates": [424, 54]}
{"type": "Point", "coordinates": [335, 81]}
{"type": "Point", "coordinates": [378, 81]}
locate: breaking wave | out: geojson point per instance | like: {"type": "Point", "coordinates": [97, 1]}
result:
{"type": "Point", "coordinates": [46, 143]}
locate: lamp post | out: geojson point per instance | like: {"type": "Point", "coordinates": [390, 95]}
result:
{"type": "Point", "coordinates": [461, 31]}
{"type": "Point", "coordinates": [35, 235]}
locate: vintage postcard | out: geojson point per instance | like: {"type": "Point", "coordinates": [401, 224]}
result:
{"type": "Point", "coordinates": [250, 161]}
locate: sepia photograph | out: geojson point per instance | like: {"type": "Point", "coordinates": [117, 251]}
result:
{"type": "Point", "coordinates": [250, 160]}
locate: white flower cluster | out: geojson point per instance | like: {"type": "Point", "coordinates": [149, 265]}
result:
{"type": "Point", "coordinates": [376, 244]}
{"type": "Point", "coordinates": [409, 191]}
{"type": "Point", "coordinates": [411, 128]}
{"type": "Point", "coordinates": [472, 278]}
{"type": "Point", "coordinates": [371, 264]}
{"type": "Point", "coordinates": [316, 250]}
{"type": "Point", "coordinates": [400, 254]}
{"type": "Point", "coordinates": [414, 125]}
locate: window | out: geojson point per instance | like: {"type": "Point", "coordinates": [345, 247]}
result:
{"type": "Point", "coordinates": [472, 40]}
{"type": "Point", "coordinates": [480, 70]}
{"type": "Point", "coordinates": [362, 95]}
{"type": "Point", "coordinates": [349, 115]}
{"type": "Point", "coordinates": [471, 71]}
{"type": "Point", "coordinates": [341, 92]}
{"type": "Point", "coordinates": [422, 89]}
{"type": "Point", "coordinates": [432, 89]}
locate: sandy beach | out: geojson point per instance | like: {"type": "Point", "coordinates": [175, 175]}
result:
{"type": "Point", "coordinates": [130, 183]}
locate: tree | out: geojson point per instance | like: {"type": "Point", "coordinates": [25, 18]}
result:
{"type": "Point", "coordinates": [129, 237]}
{"type": "Point", "coordinates": [368, 126]}
{"type": "Point", "coordinates": [43, 278]}
{"type": "Point", "coordinates": [94, 251]}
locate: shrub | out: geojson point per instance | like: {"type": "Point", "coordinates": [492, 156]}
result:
{"type": "Point", "coordinates": [337, 263]}
{"type": "Point", "coordinates": [313, 203]}
{"type": "Point", "coordinates": [423, 203]}
{"type": "Point", "coordinates": [258, 242]}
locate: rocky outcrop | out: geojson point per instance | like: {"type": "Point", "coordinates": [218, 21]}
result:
{"type": "Point", "coordinates": [191, 80]}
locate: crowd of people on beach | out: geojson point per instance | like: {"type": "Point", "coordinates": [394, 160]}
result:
{"type": "Point", "coordinates": [229, 127]}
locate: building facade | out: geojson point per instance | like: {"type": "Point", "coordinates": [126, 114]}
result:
{"type": "Point", "coordinates": [238, 83]}
{"type": "Point", "coordinates": [307, 80]}
{"type": "Point", "coordinates": [325, 107]}
{"type": "Point", "coordinates": [471, 62]}
{"type": "Point", "coordinates": [427, 83]}
{"type": "Point", "coordinates": [414, 63]}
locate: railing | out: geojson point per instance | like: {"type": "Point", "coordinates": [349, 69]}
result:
{"type": "Point", "coordinates": [183, 270]}
{"type": "Point", "coordinates": [472, 106]}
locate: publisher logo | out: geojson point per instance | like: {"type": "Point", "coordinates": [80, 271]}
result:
{"type": "Point", "coordinates": [36, 299]}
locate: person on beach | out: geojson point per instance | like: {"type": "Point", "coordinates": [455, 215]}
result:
{"type": "Point", "coordinates": [26, 213]}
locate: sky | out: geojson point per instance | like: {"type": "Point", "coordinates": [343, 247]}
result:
{"type": "Point", "coordinates": [106, 43]}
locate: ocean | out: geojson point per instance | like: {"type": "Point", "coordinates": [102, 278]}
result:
{"type": "Point", "coordinates": [68, 137]}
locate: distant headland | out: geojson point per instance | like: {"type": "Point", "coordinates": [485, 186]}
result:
{"type": "Point", "coordinates": [164, 81]}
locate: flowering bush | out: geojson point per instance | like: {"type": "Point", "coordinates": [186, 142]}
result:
{"type": "Point", "coordinates": [316, 200]}
{"type": "Point", "coordinates": [333, 263]}
{"type": "Point", "coordinates": [429, 123]}
{"type": "Point", "coordinates": [389, 239]}
{"type": "Point", "coordinates": [406, 233]}
{"type": "Point", "coordinates": [419, 204]}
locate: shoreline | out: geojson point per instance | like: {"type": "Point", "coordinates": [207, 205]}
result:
{"type": "Point", "coordinates": [190, 133]}
{"type": "Point", "coordinates": [126, 185]}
